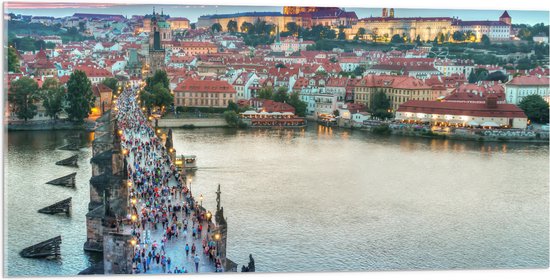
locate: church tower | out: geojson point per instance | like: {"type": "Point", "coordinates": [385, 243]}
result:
{"type": "Point", "coordinates": [157, 54]}
{"type": "Point", "coordinates": [505, 17]}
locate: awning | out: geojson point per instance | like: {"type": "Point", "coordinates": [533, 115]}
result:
{"type": "Point", "coordinates": [472, 123]}
{"type": "Point", "coordinates": [490, 124]}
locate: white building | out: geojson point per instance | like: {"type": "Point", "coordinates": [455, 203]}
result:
{"type": "Point", "coordinates": [522, 86]}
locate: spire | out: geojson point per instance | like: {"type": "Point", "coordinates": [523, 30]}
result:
{"type": "Point", "coordinates": [153, 10]}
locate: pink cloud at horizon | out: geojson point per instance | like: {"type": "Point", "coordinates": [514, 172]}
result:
{"type": "Point", "coordinates": [58, 5]}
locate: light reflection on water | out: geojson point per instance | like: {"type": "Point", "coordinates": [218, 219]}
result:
{"type": "Point", "coordinates": [318, 199]}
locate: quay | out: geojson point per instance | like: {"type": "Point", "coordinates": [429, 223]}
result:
{"type": "Point", "coordinates": [142, 216]}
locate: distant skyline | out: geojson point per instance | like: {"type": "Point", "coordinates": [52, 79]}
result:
{"type": "Point", "coordinates": [193, 12]}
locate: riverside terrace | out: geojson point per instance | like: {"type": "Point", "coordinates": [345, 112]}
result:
{"type": "Point", "coordinates": [171, 232]}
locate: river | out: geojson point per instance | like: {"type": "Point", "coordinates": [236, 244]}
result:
{"type": "Point", "coordinates": [318, 199]}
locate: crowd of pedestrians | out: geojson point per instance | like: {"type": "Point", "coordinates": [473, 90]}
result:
{"type": "Point", "coordinates": [164, 215]}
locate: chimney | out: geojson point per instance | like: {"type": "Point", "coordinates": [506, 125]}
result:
{"type": "Point", "coordinates": [491, 101]}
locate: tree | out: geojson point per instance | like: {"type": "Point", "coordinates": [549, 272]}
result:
{"type": "Point", "coordinates": [231, 106]}
{"type": "Point", "coordinates": [341, 33]}
{"type": "Point", "coordinates": [380, 105]}
{"type": "Point", "coordinates": [82, 26]}
{"type": "Point", "coordinates": [111, 83]}
{"type": "Point", "coordinates": [417, 40]}
{"type": "Point", "coordinates": [300, 106]}
{"type": "Point", "coordinates": [535, 107]}
{"type": "Point", "coordinates": [280, 95]}
{"type": "Point", "coordinates": [292, 27]}
{"type": "Point", "coordinates": [397, 39]}
{"type": "Point", "coordinates": [361, 33]}
{"type": "Point", "coordinates": [193, 26]}
{"type": "Point", "coordinates": [247, 27]}
{"type": "Point", "coordinates": [52, 97]}
{"type": "Point", "coordinates": [23, 96]}
{"type": "Point", "coordinates": [161, 77]}
{"type": "Point", "coordinates": [459, 36]}
{"type": "Point", "coordinates": [266, 93]}
{"type": "Point", "coordinates": [497, 76]}
{"type": "Point", "coordinates": [80, 98]}
{"type": "Point", "coordinates": [13, 60]}
{"type": "Point", "coordinates": [359, 70]}
{"type": "Point", "coordinates": [232, 26]}
{"type": "Point", "coordinates": [441, 38]}
{"type": "Point", "coordinates": [485, 40]}
{"type": "Point", "coordinates": [216, 27]}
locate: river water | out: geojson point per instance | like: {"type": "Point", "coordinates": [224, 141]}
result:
{"type": "Point", "coordinates": [317, 199]}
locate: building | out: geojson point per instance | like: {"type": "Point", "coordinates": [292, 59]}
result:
{"type": "Point", "coordinates": [158, 23]}
{"type": "Point", "coordinates": [196, 48]}
{"type": "Point", "coordinates": [294, 10]}
{"type": "Point", "coordinates": [384, 28]}
{"type": "Point", "coordinates": [496, 30]}
{"type": "Point", "coordinates": [487, 114]}
{"type": "Point", "coordinates": [178, 23]}
{"type": "Point", "coordinates": [103, 98]}
{"type": "Point", "coordinates": [522, 86]}
{"type": "Point", "coordinates": [157, 53]}
{"type": "Point", "coordinates": [398, 89]}
{"type": "Point", "coordinates": [204, 93]}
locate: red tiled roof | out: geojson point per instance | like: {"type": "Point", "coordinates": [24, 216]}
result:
{"type": "Point", "coordinates": [467, 109]}
{"type": "Point", "coordinates": [214, 86]}
{"type": "Point", "coordinates": [529, 81]}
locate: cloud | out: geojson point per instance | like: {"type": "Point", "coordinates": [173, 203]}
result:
{"type": "Point", "coordinates": [45, 5]}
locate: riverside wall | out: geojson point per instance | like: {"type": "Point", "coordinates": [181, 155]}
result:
{"type": "Point", "coordinates": [192, 123]}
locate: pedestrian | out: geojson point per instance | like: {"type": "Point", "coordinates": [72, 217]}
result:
{"type": "Point", "coordinates": [197, 259]}
{"type": "Point", "coordinates": [186, 250]}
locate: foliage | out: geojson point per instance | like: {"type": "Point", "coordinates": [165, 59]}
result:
{"type": "Point", "coordinates": [485, 40]}
{"type": "Point", "coordinates": [233, 119]}
{"type": "Point", "coordinates": [396, 39]}
{"type": "Point", "coordinates": [232, 106]}
{"type": "Point", "coordinates": [382, 130]}
{"type": "Point", "coordinates": [52, 94]}
{"type": "Point", "coordinates": [232, 26]}
{"type": "Point", "coordinates": [380, 105]}
{"type": "Point", "coordinates": [13, 60]}
{"type": "Point", "coordinates": [292, 28]}
{"type": "Point", "coordinates": [300, 106]}
{"type": "Point", "coordinates": [23, 96]}
{"type": "Point", "coordinates": [156, 92]}
{"type": "Point", "coordinates": [535, 107]}
{"type": "Point", "coordinates": [359, 70]}
{"type": "Point", "coordinates": [216, 27]}
{"type": "Point", "coordinates": [478, 74]}
{"type": "Point", "coordinates": [161, 77]}
{"type": "Point", "coordinates": [80, 98]}
{"type": "Point", "coordinates": [266, 93]}
{"type": "Point", "coordinates": [459, 36]}
{"type": "Point", "coordinates": [526, 32]}
{"type": "Point", "coordinates": [497, 76]}
{"type": "Point", "coordinates": [111, 83]}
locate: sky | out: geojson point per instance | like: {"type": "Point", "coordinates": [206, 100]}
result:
{"type": "Point", "coordinates": [193, 12]}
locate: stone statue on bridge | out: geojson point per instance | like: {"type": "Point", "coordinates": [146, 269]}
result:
{"type": "Point", "coordinates": [251, 267]}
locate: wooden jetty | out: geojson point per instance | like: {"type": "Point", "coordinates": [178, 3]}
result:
{"type": "Point", "coordinates": [70, 147]}
{"type": "Point", "coordinates": [65, 181]}
{"type": "Point", "coordinates": [44, 249]}
{"type": "Point", "coordinates": [71, 161]}
{"type": "Point", "coordinates": [63, 206]}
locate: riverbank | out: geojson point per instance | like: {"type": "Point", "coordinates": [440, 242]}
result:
{"type": "Point", "coordinates": [192, 123]}
{"type": "Point", "coordinates": [462, 134]}
{"type": "Point", "coordinates": [50, 125]}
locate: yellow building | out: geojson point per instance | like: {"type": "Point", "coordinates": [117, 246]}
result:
{"type": "Point", "coordinates": [398, 89]}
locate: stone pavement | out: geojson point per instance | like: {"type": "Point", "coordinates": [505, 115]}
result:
{"type": "Point", "coordinates": [175, 248]}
